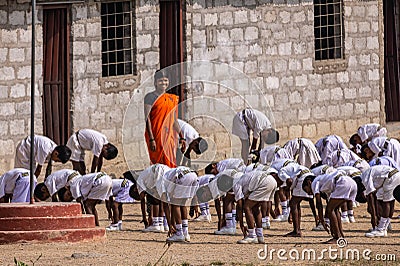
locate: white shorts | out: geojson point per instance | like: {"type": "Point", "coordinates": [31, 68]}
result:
{"type": "Point", "coordinates": [101, 189]}
{"type": "Point", "coordinates": [123, 195]}
{"type": "Point", "coordinates": [21, 191]}
{"type": "Point", "coordinates": [346, 188]}
{"type": "Point", "coordinates": [183, 188]}
{"type": "Point", "coordinates": [239, 128]}
{"type": "Point", "coordinates": [77, 154]}
{"type": "Point", "coordinates": [385, 193]}
{"type": "Point", "coordinates": [22, 156]}
{"type": "Point", "coordinates": [265, 190]}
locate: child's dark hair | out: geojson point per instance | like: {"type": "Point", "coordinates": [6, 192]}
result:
{"type": "Point", "coordinates": [202, 145]}
{"type": "Point", "coordinates": [360, 190]}
{"type": "Point", "coordinates": [38, 192]}
{"type": "Point", "coordinates": [130, 176]}
{"type": "Point", "coordinates": [161, 73]}
{"type": "Point", "coordinates": [306, 180]}
{"type": "Point", "coordinates": [396, 193]}
{"type": "Point", "coordinates": [133, 192]}
{"type": "Point", "coordinates": [209, 168]}
{"type": "Point", "coordinates": [352, 140]}
{"type": "Point", "coordinates": [111, 152]}
{"type": "Point", "coordinates": [363, 153]}
{"type": "Point", "coordinates": [64, 153]}
{"type": "Point", "coordinates": [273, 137]}
{"type": "Point", "coordinates": [61, 194]}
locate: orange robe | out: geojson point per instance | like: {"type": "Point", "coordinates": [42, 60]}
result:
{"type": "Point", "coordinates": [162, 117]}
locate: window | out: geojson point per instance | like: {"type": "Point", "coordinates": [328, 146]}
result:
{"type": "Point", "coordinates": [328, 29]}
{"type": "Point", "coordinates": [117, 45]}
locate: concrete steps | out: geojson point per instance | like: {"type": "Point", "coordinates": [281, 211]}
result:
{"type": "Point", "coordinates": [46, 222]}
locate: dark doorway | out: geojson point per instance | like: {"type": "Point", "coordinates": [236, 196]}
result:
{"type": "Point", "coordinates": [391, 12]}
{"type": "Point", "coordinates": [171, 41]}
{"type": "Point", "coordinates": [56, 74]}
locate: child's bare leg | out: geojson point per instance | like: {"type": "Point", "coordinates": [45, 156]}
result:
{"type": "Point", "coordinates": [333, 204]}
{"type": "Point", "coordinates": [120, 211]}
{"type": "Point", "coordinates": [79, 166]}
{"type": "Point", "coordinates": [90, 207]}
{"type": "Point", "coordinates": [248, 211]}
{"type": "Point", "coordinates": [115, 209]}
{"type": "Point", "coordinates": [294, 204]}
{"type": "Point", "coordinates": [338, 217]}
{"type": "Point", "coordinates": [277, 201]}
{"type": "Point", "coordinates": [257, 215]}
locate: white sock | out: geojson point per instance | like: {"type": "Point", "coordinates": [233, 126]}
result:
{"type": "Point", "coordinates": [350, 213]}
{"type": "Point", "coordinates": [382, 223]}
{"type": "Point", "coordinates": [185, 227]}
{"type": "Point", "coordinates": [284, 208]}
{"type": "Point", "coordinates": [288, 207]}
{"type": "Point", "coordinates": [165, 222]}
{"type": "Point", "coordinates": [252, 233]}
{"type": "Point", "coordinates": [327, 221]}
{"type": "Point", "coordinates": [155, 221]}
{"type": "Point", "coordinates": [259, 232]}
{"type": "Point", "coordinates": [234, 218]}
{"type": "Point", "coordinates": [264, 220]}
{"type": "Point", "coordinates": [228, 218]}
{"type": "Point", "coordinates": [160, 221]}
{"type": "Point", "coordinates": [203, 209]}
{"type": "Point", "coordinates": [267, 219]}
{"type": "Point", "coordinates": [344, 214]}
{"type": "Point", "coordinates": [178, 229]}
{"type": "Point", "coordinates": [207, 208]}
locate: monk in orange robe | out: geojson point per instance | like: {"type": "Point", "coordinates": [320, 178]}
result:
{"type": "Point", "coordinates": [161, 111]}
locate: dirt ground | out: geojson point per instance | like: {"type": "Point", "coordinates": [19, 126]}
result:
{"type": "Point", "coordinates": [132, 247]}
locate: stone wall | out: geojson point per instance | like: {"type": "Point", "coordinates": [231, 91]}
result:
{"type": "Point", "coordinates": [272, 42]}
{"type": "Point", "coordinates": [97, 103]}
{"type": "Point", "coordinates": [15, 77]}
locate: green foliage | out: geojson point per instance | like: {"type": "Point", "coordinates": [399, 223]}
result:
{"type": "Point", "coordinates": [20, 263]}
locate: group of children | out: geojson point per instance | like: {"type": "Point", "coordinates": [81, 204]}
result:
{"type": "Point", "coordinates": [272, 182]}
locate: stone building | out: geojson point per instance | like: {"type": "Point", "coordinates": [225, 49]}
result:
{"type": "Point", "coordinates": [316, 68]}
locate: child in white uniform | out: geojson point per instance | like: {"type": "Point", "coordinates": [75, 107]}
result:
{"type": "Point", "coordinates": [303, 151]}
{"type": "Point", "coordinates": [89, 190]}
{"type": "Point", "coordinates": [14, 186]}
{"type": "Point", "coordinates": [382, 180]}
{"type": "Point", "coordinates": [45, 151]}
{"type": "Point", "coordinates": [251, 191]}
{"type": "Point", "coordinates": [253, 120]}
{"type": "Point", "coordinates": [114, 205]}
{"type": "Point", "coordinates": [339, 188]}
{"type": "Point", "coordinates": [90, 140]}
{"type": "Point", "coordinates": [54, 183]}
{"type": "Point", "coordinates": [180, 185]}
{"type": "Point", "coordinates": [340, 157]}
{"type": "Point", "coordinates": [328, 144]}
{"type": "Point", "coordinates": [271, 153]}
{"type": "Point", "coordinates": [382, 146]}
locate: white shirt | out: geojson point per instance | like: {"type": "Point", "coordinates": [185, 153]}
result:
{"type": "Point", "coordinates": [303, 151]}
{"type": "Point", "coordinates": [43, 148]}
{"type": "Point", "coordinates": [189, 133]}
{"type": "Point", "coordinates": [360, 164]}
{"type": "Point", "coordinates": [325, 183]}
{"type": "Point", "coordinates": [374, 177]}
{"type": "Point", "coordinates": [231, 163]}
{"type": "Point", "coordinates": [92, 140]}
{"type": "Point", "coordinates": [8, 180]}
{"type": "Point", "coordinates": [152, 178]}
{"type": "Point", "coordinates": [350, 171]}
{"type": "Point", "coordinates": [292, 170]}
{"type": "Point", "coordinates": [328, 144]}
{"type": "Point", "coordinates": [82, 185]}
{"type": "Point", "coordinates": [322, 170]}
{"type": "Point", "coordinates": [384, 160]}
{"type": "Point", "coordinates": [278, 164]}
{"type": "Point", "coordinates": [253, 120]}
{"type": "Point", "coordinates": [340, 157]}
{"type": "Point", "coordinates": [369, 131]}
{"type": "Point", "coordinates": [271, 153]}
{"type": "Point", "coordinates": [59, 179]}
